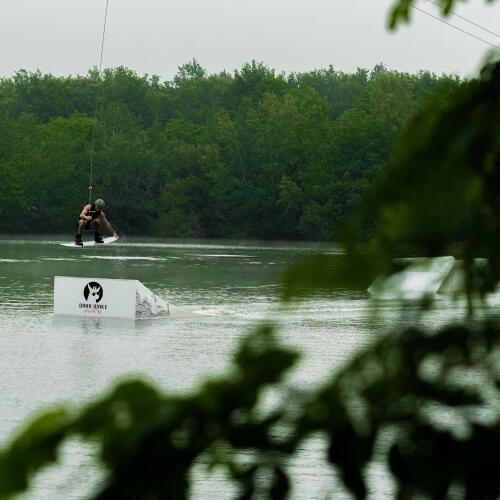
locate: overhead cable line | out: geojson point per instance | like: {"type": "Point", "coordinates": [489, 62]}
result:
{"type": "Point", "coordinates": [97, 101]}
{"type": "Point", "coordinates": [467, 20]}
{"type": "Point", "coordinates": [456, 27]}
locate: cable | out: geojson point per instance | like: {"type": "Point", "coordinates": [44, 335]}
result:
{"type": "Point", "coordinates": [456, 27]}
{"type": "Point", "coordinates": [468, 20]}
{"type": "Point", "coordinates": [97, 102]}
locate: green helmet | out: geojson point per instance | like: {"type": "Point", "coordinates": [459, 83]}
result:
{"type": "Point", "coordinates": [100, 202]}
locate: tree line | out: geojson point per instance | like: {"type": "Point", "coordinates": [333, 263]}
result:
{"type": "Point", "coordinates": [252, 154]}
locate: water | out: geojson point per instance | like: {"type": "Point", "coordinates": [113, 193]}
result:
{"type": "Point", "coordinates": [46, 359]}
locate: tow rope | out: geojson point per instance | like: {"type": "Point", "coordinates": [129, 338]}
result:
{"type": "Point", "coordinates": [97, 102]}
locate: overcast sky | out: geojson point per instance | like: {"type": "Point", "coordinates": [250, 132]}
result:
{"type": "Point", "coordinates": [63, 37]}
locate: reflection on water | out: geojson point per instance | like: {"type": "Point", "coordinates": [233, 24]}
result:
{"type": "Point", "coordinates": [91, 324]}
{"type": "Point", "coordinates": [46, 359]}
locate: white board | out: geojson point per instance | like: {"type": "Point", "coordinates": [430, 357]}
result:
{"type": "Point", "coordinates": [90, 243]}
{"type": "Point", "coordinates": [106, 298]}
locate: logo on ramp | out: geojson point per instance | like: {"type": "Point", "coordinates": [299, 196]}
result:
{"type": "Point", "coordinates": [93, 292]}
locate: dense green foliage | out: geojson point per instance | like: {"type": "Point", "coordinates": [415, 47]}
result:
{"type": "Point", "coordinates": [253, 155]}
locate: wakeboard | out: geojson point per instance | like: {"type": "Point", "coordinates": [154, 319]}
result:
{"type": "Point", "coordinates": [90, 243]}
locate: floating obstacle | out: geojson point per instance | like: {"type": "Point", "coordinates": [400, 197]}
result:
{"type": "Point", "coordinates": [420, 277]}
{"type": "Point", "coordinates": [106, 298]}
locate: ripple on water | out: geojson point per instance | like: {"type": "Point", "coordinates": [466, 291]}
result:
{"type": "Point", "coordinates": [62, 259]}
{"type": "Point", "coordinates": [123, 257]}
{"type": "Point", "coordinates": [17, 260]}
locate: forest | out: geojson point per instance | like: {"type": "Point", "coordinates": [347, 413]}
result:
{"type": "Point", "coordinates": [253, 154]}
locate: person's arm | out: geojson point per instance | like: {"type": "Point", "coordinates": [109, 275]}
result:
{"type": "Point", "coordinates": [108, 225]}
{"type": "Point", "coordinates": [84, 215]}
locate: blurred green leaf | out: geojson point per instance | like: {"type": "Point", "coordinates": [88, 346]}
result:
{"type": "Point", "coordinates": [33, 449]}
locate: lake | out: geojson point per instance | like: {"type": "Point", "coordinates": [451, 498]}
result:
{"type": "Point", "coordinates": [46, 359]}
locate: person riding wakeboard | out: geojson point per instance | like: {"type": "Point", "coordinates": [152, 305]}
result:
{"type": "Point", "coordinates": [90, 218]}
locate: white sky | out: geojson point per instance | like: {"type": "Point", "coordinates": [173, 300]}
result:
{"type": "Point", "coordinates": [63, 37]}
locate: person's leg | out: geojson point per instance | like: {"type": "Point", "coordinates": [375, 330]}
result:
{"type": "Point", "coordinates": [81, 225]}
{"type": "Point", "coordinates": [79, 229]}
{"type": "Point", "coordinates": [96, 224]}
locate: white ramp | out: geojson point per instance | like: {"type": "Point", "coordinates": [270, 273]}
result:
{"type": "Point", "coordinates": [419, 278]}
{"type": "Point", "coordinates": [106, 298]}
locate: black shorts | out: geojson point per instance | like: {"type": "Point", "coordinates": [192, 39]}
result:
{"type": "Point", "coordinates": [87, 224]}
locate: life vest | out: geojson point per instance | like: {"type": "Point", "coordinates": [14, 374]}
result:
{"type": "Point", "coordinates": [93, 212]}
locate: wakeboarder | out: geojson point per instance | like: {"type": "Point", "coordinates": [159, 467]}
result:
{"type": "Point", "coordinates": [90, 218]}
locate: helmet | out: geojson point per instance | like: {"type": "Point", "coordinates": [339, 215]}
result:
{"type": "Point", "coordinates": [100, 202]}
